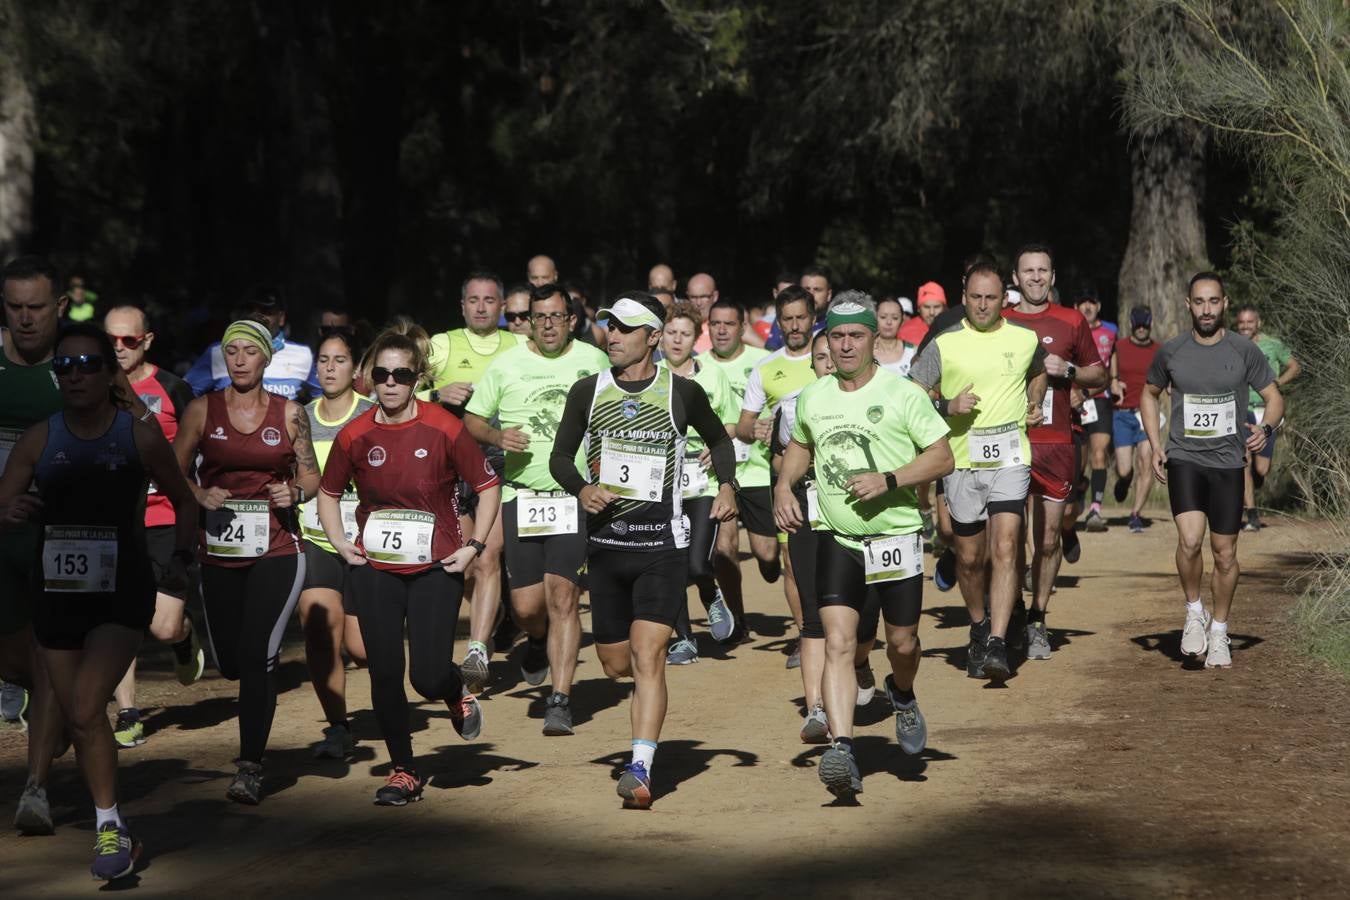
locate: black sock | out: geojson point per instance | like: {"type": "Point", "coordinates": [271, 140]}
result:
{"type": "Point", "coordinates": [1098, 485]}
{"type": "Point", "coordinates": [845, 743]}
{"type": "Point", "coordinates": [979, 631]}
{"type": "Point", "coordinates": [899, 695]}
{"type": "Point", "coordinates": [1035, 615]}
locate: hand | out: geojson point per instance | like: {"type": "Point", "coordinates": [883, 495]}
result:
{"type": "Point", "coordinates": [351, 553]}
{"type": "Point", "coordinates": [1256, 441]}
{"type": "Point", "coordinates": [23, 508]}
{"type": "Point", "coordinates": [1118, 389]}
{"type": "Point", "coordinates": [1056, 367]}
{"type": "Point", "coordinates": [1077, 397]}
{"type": "Point", "coordinates": [963, 402]}
{"type": "Point", "coordinates": [456, 394]}
{"type": "Point", "coordinates": [724, 504]}
{"type": "Point", "coordinates": [282, 495]}
{"type": "Point", "coordinates": [594, 498]}
{"type": "Point", "coordinates": [787, 512]}
{"type": "Point", "coordinates": [763, 430]}
{"type": "Point", "coordinates": [212, 498]}
{"type": "Point", "coordinates": [705, 459]}
{"type": "Point", "coordinates": [866, 485]}
{"type": "Point", "coordinates": [1160, 466]}
{"type": "Point", "coordinates": [1035, 414]}
{"type": "Point", "coordinates": [460, 560]}
{"type": "Point", "coordinates": [514, 439]}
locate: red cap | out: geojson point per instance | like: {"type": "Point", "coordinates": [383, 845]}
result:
{"type": "Point", "coordinates": [931, 290]}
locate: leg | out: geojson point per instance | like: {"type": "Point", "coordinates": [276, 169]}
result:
{"type": "Point", "coordinates": [802, 548]}
{"type": "Point", "coordinates": [382, 607]}
{"type": "Point", "coordinates": [1124, 461]}
{"type": "Point", "coordinates": [1004, 536]}
{"type": "Point", "coordinates": [530, 609]}
{"type": "Point", "coordinates": [790, 590]}
{"type": "Point", "coordinates": [1223, 583]}
{"type": "Point", "coordinates": [971, 559]}
{"type": "Point", "coordinates": [611, 589]}
{"type": "Point", "coordinates": [727, 566]}
{"type": "Point", "coordinates": [1190, 562]}
{"type": "Point", "coordinates": [323, 622]}
{"type": "Point", "coordinates": [564, 629]}
{"type": "Point", "coordinates": [351, 639]}
{"type": "Point", "coordinates": [647, 652]}
{"type": "Point", "coordinates": [273, 588]}
{"type": "Point", "coordinates": [839, 683]}
{"type": "Point", "coordinates": [1143, 455]}
{"type": "Point", "coordinates": [487, 587]}
{"type": "Point", "coordinates": [434, 599]}
{"type": "Point", "coordinates": [1045, 526]}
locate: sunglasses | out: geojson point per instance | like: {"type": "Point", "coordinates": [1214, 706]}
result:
{"type": "Point", "coordinates": [87, 363]}
{"type": "Point", "coordinates": [403, 376]}
{"type": "Point", "coordinates": [516, 316]}
{"type": "Point", "coordinates": [130, 341]}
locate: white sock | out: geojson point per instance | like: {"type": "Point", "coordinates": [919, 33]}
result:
{"type": "Point", "coordinates": [1217, 627]}
{"type": "Point", "coordinates": [644, 752]}
{"type": "Point", "coordinates": [1195, 606]}
{"type": "Point", "coordinates": [107, 815]}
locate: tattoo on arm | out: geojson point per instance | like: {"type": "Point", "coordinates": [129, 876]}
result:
{"type": "Point", "coordinates": [305, 459]}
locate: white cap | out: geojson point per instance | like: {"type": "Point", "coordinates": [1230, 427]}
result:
{"type": "Point", "coordinates": [631, 313]}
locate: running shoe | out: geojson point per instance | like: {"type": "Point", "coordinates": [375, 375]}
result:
{"type": "Point", "coordinates": [794, 660]}
{"type": "Point", "coordinates": [721, 623]}
{"type": "Point", "coordinates": [867, 684]}
{"type": "Point", "coordinates": [129, 731]}
{"type": "Point", "coordinates": [1122, 488]}
{"type": "Point", "coordinates": [189, 671]}
{"type": "Point", "coordinates": [1219, 656]}
{"type": "Point", "coordinates": [682, 653]}
{"type": "Point", "coordinates": [1038, 642]}
{"type": "Point", "coordinates": [534, 664]}
{"type": "Point", "coordinates": [979, 637]}
{"type": "Point", "coordinates": [944, 573]}
{"type": "Point", "coordinates": [996, 667]}
{"type": "Point", "coordinates": [816, 728]}
{"type": "Point", "coordinates": [115, 852]}
{"type": "Point", "coordinates": [246, 787]}
{"type": "Point", "coordinates": [839, 772]}
{"type": "Point", "coordinates": [1072, 548]}
{"type": "Point", "coordinates": [1026, 580]}
{"type": "Point", "coordinates": [911, 729]}
{"type": "Point", "coordinates": [635, 786]}
{"type": "Point", "coordinates": [926, 517]}
{"type": "Point", "coordinates": [1253, 520]}
{"type": "Point", "coordinates": [337, 743]}
{"type": "Point", "coordinates": [1195, 633]}
{"type": "Point", "coordinates": [13, 702]}
{"type": "Point", "coordinates": [34, 815]}
{"type": "Point", "coordinates": [558, 716]}
{"type": "Point", "coordinates": [400, 788]}
{"type": "Point", "coordinates": [474, 669]}
{"type": "Point", "coordinates": [466, 715]}
{"type": "Point", "coordinates": [1094, 521]}
{"type": "Point", "coordinates": [1136, 525]}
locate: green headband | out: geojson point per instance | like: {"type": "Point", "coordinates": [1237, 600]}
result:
{"type": "Point", "coordinates": [248, 330]}
{"type": "Point", "coordinates": [850, 314]}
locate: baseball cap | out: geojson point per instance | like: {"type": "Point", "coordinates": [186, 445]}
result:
{"type": "Point", "coordinates": [907, 305]}
{"type": "Point", "coordinates": [931, 290]}
{"type": "Point", "coordinates": [1011, 296]}
{"type": "Point", "coordinates": [1141, 317]}
{"type": "Point", "coordinates": [1087, 296]}
{"type": "Point", "coordinates": [633, 309]}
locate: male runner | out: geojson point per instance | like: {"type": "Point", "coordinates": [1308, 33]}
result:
{"type": "Point", "coordinates": [633, 417]}
{"type": "Point", "coordinates": [1208, 370]}
{"type": "Point", "coordinates": [1096, 414]}
{"type": "Point", "coordinates": [661, 277]}
{"type": "Point", "coordinates": [290, 373]}
{"type": "Point", "coordinates": [524, 391]}
{"type": "Point", "coordinates": [818, 281]}
{"type": "Point", "coordinates": [516, 309]}
{"type": "Point", "coordinates": [992, 374]}
{"type": "Point", "coordinates": [932, 301]}
{"type": "Point", "coordinates": [1129, 370]}
{"type": "Point", "coordinates": [1071, 359]}
{"type": "Point", "coordinates": [1286, 369]}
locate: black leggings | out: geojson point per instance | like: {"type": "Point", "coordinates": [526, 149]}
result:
{"type": "Point", "coordinates": [246, 611]}
{"type": "Point", "coordinates": [841, 581]}
{"type": "Point", "coordinates": [429, 603]}
{"type": "Point", "coordinates": [702, 539]}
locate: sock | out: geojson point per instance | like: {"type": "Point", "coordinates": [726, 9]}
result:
{"type": "Point", "coordinates": [538, 642]}
{"type": "Point", "coordinates": [480, 646]}
{"type": "Point", "coordinates": [108, 815]}
{"type": "Point", "coordinates": [979, 631]}
{"type": "Point", "coordinates": [1195, 606]}
{"type": "Point", "coordinates": [644, 752]}
{"type": "Point", "coordinates": [1098, 487]}
{"type": "Point", "coordinates": [845, 743]}
{"type": "Point", "coordinates": [1217, 627]}
{"type": "Point", "coordinates": [902, 697]}
{"type": "Point", "coordinates": [1035, 615]}
{"type": "Point", "coordinates": [130, 711]}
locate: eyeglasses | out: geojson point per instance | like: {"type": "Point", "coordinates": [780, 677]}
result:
{"type": "Point", "coordinates": [130, 341]}
{"type": "Point", "coordinates": [87, 363]}
{"type": "Point", "coordinates": [515, 316]}
{"type": "Point", "coordinates": [403, 376]}
{"type": "Point", "coordinates": [549, 318]}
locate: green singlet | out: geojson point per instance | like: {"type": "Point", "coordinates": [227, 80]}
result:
{"type": "Point", "coordinates": [322, 435]}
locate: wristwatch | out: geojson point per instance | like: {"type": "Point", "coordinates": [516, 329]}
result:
{"type": "Point", "coordinates": [891, 483]}
{"type": "Point", "coordinates": [1073, 371]}
{"type": "Point", "coordinates": [478, 546]}
{"type": "Point", "coordinates": [1268, 429]}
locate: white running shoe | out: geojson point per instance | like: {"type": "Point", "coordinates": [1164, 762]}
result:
{"type": "Point", "coordinates": [1195, 633]}
{"type": "Point", "coordinates": [1219, 656]}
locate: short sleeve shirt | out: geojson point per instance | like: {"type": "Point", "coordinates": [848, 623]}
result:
{"type": "Point", "coordinates": [1277, 354]}
{"type": "Point", "coordinates": [1065, 333]}
{"type": "Point", "coordinates": [753, 471]}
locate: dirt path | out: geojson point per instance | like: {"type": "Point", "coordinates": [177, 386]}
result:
{"type": "Point", "coordinates": [1109, 770]}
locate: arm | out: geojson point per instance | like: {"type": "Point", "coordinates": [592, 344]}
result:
{"type": "Point", "coordinates": [185, 443]}
{"type": "Point", "coordinates": [1036, 387]}
{"type": "Point", "coordinates": [17, 506]}
{"type": "Point", "coordinates": [751, 406]}
{"type": "Point", "coordinates": [1117, 389]}
{"type": "Point", "coordinates": [1148, 412]}
{"type": "Point", "coordinates": [159, 460]}
{"type": "Point", "coordinates": [1091, 378]}
{"type": "Point", "coordinates": [562, 462]}
{"type": "Point", "coordinates": [787, 512]}
{"type": "Point", "coordinates": [467, 458]}
{"type": "Point", "coordinates": [934, 462]}
{"type": "Point", "coordinates": [1291, 371]}
{"type": "Point", "coordinates": [505, 438]}
{"type": "Point", "coordinates": [306, 482]}
{"type": "Point", "coordinates": [1256, 438]}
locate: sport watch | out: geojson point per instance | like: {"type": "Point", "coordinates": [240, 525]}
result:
{"type": "Point", "coordinates": [478, 546]}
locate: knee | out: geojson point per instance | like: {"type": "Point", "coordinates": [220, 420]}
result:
{"type": "Point", "coordinates": [841, 643]}
{"type": "Point", "coordinates": [1225, 560]}
{"type": "Point", "coordinates": [1189, 547]}
{"type": "Point", "coordinates": [166, 629]}
{"type": "Point", "coordinates": [430, 680]}
{"type": "Point", "coordinates": [1049, 544]}
{"type": "Point", "coordinates": [903, 643]}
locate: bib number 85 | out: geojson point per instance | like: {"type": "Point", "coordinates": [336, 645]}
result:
{"type": "Point", "coordinates": [990, 451]}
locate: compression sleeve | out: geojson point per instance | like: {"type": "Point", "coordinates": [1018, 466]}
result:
{"type": "Point", "coordinates": [703, 420]}
{"type": "Point", "coordinates": [562, 462]}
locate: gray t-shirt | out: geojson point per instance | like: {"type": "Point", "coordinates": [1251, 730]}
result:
{"type": "Point", "coordinates": [1209, 396]}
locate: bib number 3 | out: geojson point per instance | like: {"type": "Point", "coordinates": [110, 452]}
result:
{"type": "Point", "coordinates": [631, 470]}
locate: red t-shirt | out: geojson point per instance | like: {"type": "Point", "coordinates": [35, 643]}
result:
{"type": "Point", "coordinates": [167, 396]}
{"type": "Point", "coordinates": [414, 465]}
{"type": "Point", "coordinates": [1063, 332]}
{"type": "Point", "coordinates": [1105, 338]}
{"type": "Point", "coordinates": [1132, 365]}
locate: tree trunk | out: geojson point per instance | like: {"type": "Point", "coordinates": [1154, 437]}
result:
{"type": "Point", "coordinates": [1167, 232]}
{"type": "Point", "coordinates": [18, 137]}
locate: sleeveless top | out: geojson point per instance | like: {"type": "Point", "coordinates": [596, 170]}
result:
{"type": "Point", "coordinates": [248, 527]}
{"type": "Point", "coordinates": [93, 513]}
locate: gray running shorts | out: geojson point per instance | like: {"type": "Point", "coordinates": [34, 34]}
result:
{"type": "Point", "coordinates": [970, 492]}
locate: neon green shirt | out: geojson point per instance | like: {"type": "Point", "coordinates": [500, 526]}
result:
{"type": "Point", "coordinates": [754, 470]}
{"type": "Point", "coordinates": [461, 355]}
{"type": "Point", "coordinates": [878, 428]}
{"type": "Point", "coordinates": [524, 389]}
{"type": "Point", "coordinates": [1277, 354]}
{"type": "Point", "coordinates": [722, 399]}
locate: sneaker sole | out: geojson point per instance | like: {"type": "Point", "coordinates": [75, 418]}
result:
{"type": "Point", "coordinates": [865, 696]}
{"type": "Point", "coordinates": [129, 745]}
{"type": "Point", "coordinates": [1095, 527]}
{"type": "Point", "coordinates": [135, 856]}
{"type": "Point", "coordinates": [533, 679]}
{"type": "Point", "coordinates": [923, 745]}
{"type": "Point", "coordinates": [995, 673]}
{"type": "Point", "coordinates": [242, 798]}
{"type": "Point", "coordinates": [195, 673]}
{"type": "Point", "coordinates": [1210, 665]}
{"type": "Point", "coordinates": [793, 662]}
{"type": "Point", "coordinates": [403, 802]}
{"type": "Point", "coordinates": [1038, 654]}
{"type": "Point", "coordinates": [838, 780]}
{"type": "Point", "coordinates": [635, 796]}
{"type": "Point", "coordinates": [822, 738]}
{"type": "Point", "coordinates": [1198, 653]}
{"type": "Point", "coordinates": [557, 731]}
{"type": "Point", "coordinates": [327, 753]}
{"type": "Point", "coordinates": [681, 662]}
{"type": "Point", "coordinates": [474, 674]}
{"type": "Point", "coordinates": [33, 826]}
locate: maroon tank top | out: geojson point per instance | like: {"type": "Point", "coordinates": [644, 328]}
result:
{"type": "Point", "coordinates": [244, 464]}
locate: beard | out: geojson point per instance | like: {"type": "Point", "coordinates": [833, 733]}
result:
{"type": "Point", "coordinates": [1205, 330]}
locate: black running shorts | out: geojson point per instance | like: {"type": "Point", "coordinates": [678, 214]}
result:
{"type": "Point", "coordinates": [529, 559]}
{"type": "Point", "coordinates": [1215, 492]}
{"type": "Point", "coordinates": [627, 585]}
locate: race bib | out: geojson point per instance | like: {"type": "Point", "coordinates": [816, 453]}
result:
{"type": "Point", "coordinates": [309, 518]}
{"type": "Point", "coordinates": [693, 478]}
{"type": "Point", "coordinates": [1209, 415]}
{"type": "Point", "coordinates": [545, 512]}
{"type": "Point", "coordinates": [80, 559]}
{"type": "Point", "coordinates": [813, 507]}
{"type": "Point", "coordinates": [742, 450]}
{"type": "Point", "coordinates": [893, 558]}
{"type": "Point", "coordinates": [1088, 415]}
{"type": "Point", "coordinates": [241, 529]}
{"type": "Point", "coordinates": [399, 536]}
{"type": "Point", "coordinates": [1048, 407]}
{"type": "Point", "coordinates": [996, 447]}
{"type": "Point", "coordinates": [632, 470]}
{"type": "Point", "coordinates": [8, 438]}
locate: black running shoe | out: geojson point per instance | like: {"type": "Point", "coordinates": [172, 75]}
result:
{"type": "Point", "coordinates": [944, 573]}
{"type": "Point", "coordinates": [402, 787]}
{"type": "Point", "coordinates": [979, 636]}
{"type": "Point", "coordinates": [996, 667]}
{"type": "Point", "coordinates": [1017, 628]}
{"type": "Point", "coordinates": [1072, 548]}
{"type": "Point", "coordinates": [534, 665]}
{"type": "Point", "coordinates": [1122, 488]}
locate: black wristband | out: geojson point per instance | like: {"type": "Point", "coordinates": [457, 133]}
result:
{"type": "Point", "coordinates": [891, 483]}
{"type": "Point", "coordinates": [478, 546]}
{"type": "Point", "coordinates": [941, 404]}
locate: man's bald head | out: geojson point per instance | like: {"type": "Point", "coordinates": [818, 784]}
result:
{"type": "Point", "coordinates": [661, 278]}
{"type": "Point", "coordinates": [541, 270]}
{"type": "Point", "coordinates": [702, 292]}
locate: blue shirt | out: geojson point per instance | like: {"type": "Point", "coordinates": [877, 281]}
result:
{"type": "Point", "coordinates": [290, 371]}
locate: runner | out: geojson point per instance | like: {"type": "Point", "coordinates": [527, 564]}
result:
{"type": "Point", "coordinates": [1071, 359]}
{"type": "Point", "coordinates": [875, 437]}
{"type": "Point", "coordinates": [327, 616]}
{"type": "Point", "coordinates": [407, 458]}
{"type": "Point", "coordinates": [1286, 369]}
{"type": "Point", "coordinates": [91, 462]}
{"type": "Point", "coordinates": [1134, 454]}
{"type": "Point", "coordinates": [1096, 415]}
{"type": "Point", "coordinates": [167, 396]}
{"type": "Point", "coordinates": [819, 283]}
{"type": "Point", "coordinates": [457, 362]}
{"type": "Point", "coordinates": [633, 417]}
{"type": "Point", "coordinates": [516, 310]}
{"type": "Point", "coordinates": [255, 463]}
{"type": "Point", "coordinates": [698, 486]}
{"type": "Point", "coordinates": [892, 353]}
{"type": "Point", "coordinates": [525, 390]}
{"type": "Point", "coordinates": [1208, 371]}
{"type": "Point", "coordinates": [290, 369]}
{"type": "Point", "coordinates": [994, 376]}
{"type": "Point", "coordinates": [932, 303]}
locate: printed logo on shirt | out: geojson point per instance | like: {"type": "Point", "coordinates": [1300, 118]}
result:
{"type": "Point", "coordinates": [376, 456]}
{"type": "Point", "coordinates": [271, 436]}
{"type": "Point", "coordinates": [619, 526]}
{"type": "Point", "coordinates": [874, 414]}
{"type": "Point", "coordinates": [153, 402]}
{"type": "Point", "coordinates": [219, 434]}
{"type": "Point", "coordinates": [465, 364]}
{"type": "Point", "coordinates": [1047, 340]}
{"type": "Point", "coordinates": [420, 453]}
{"type": "Point", "coordinates": [59, 457]}
{"type": "Point", "coordinates": [629, 409]}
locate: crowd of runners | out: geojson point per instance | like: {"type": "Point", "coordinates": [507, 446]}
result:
{"type": "Point", "coordinates": [552, 447]}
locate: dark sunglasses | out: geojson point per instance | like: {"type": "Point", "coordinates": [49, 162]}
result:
{"type": "Point", "coordinates": [516, 316]}
{"type": "Point", "coordinates": [130, 341]}
{"type": "Point", "coordinates": [403, 376]}
{"type": "Point", "coordinates": [87, 363]}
